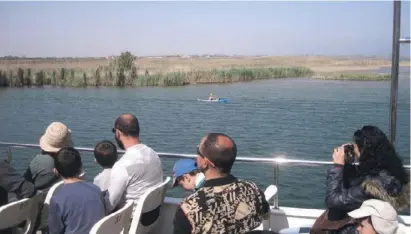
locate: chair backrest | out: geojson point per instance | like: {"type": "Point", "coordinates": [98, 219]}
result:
{"type": "Point", "coordinates": [44, 212]}
{"type": "Point", "coordinates": [37, 205]}
{"type": "Point", "coordinates": [147, 211]}
{"type": "Point", "coordinates": [14, 213]}
{"type": "Point", "coordinates": [270, 191]}
{"type": "Point", "coordinates": [115, 223]}
{"type": "Point", "coordinates": [51, 191]}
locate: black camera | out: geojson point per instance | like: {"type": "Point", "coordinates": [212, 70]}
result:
{"type": "Point", "coordinates": [349, 154]}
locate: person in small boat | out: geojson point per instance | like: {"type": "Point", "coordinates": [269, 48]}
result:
{"type": "Point", "coordinates": [41, 168]}
{"type": "Point", "coordinates": [380, 174]}
{"type": "Point", "coordinates": [211, 97]}
{"type": "Point", "coordinates": [224, 204]}
{"type": "Point", "coordinates": [187, 175]}
{"type": "Point", "coordinates": [377, 217]}
{"type": "Point", "coordinates": [105, 154]}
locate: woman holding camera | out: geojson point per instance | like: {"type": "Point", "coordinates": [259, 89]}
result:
{"type": "Point", "coordinates": [379, 174]}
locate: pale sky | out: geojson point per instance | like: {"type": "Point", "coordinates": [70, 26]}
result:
{"type": "Point", "coordinates": [37, 29]}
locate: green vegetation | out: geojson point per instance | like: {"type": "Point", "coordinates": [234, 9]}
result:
{"type": "Point", "coordinates": [122, 72]}
{"type": "Point", "coordinates": [106, 76]}
{"type": "Point", "coordinates": [353, 76]}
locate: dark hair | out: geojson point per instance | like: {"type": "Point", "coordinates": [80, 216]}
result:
{"type": "Point", "coordinates": [222, 156]}
{"type": "Point", "coordinates": [377, 153]}
{"type": "Point", "coordinates": [68, 162]}
{"type": "Point", "coordinates": [128, 125]}
{"type": "Point", "coordinates": [105, 153]}
{"type": "Point", "coordinates": [191, 173]}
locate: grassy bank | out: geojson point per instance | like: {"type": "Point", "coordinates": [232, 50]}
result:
{"type": "Point", "coordinates": [106, 76]}
{"type": "Point", "coordinates": [352, 76]}
{"type": "Point", "coordinates": [109, 76]}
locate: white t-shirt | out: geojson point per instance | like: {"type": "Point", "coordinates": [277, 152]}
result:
{"type": "Point", "coordinates": [139, 169]}
{"type": "Point", "coordinates": [102, 180]}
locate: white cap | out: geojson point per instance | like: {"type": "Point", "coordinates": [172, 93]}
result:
{"type": "Point", "coordinates": [383, 215]}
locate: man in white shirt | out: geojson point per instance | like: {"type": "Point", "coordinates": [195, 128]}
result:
{"type": "Point", "coordinates": [139, 169]}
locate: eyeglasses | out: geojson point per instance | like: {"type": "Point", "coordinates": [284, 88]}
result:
{"type": "Point", "coordinates": [202, 155]}
{"type": "Point", "coordinates": [198, 152]}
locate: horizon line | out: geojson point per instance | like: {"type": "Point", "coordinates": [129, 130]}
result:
{"type": "Point", "coordinates": [202, 56]}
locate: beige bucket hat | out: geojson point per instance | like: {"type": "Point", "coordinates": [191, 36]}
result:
{"type": "Point", "coordinates": [57, 136]}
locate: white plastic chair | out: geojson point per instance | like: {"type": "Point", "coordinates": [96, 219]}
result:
{"type": "Point", "coordinates": [45, 209]}
{"type": "Point", "coordinates": [151, 201]}
{"type": "Point", "coordinates": [270, 192]}
{"type": "Point", "coordinates": [37, 204]}
{"type": "Point", "coordinates": [51, 191]}
{"type": "Point", "coordinates": [115, 223]}
{"type": "Point", "coordinates": [14, 213]}
{"type": "Point", "coordinates": [295, 230]}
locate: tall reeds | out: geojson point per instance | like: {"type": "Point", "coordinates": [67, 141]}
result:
{"type": "Point", "coordinates": [353, 76]}
{"type": "Point", "coordinates": [115, 76]}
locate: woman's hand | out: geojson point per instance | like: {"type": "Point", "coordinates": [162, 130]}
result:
{"type": "Point", "coordinates": [338, 155]}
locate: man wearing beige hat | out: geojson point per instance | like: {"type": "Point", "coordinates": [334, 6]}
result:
{"type": "Point", "coordinates": [137, 170]}
{"type": "Point", "coordinates": [377, 217]}
{"type": "Point", "coordinates": [41, 169]}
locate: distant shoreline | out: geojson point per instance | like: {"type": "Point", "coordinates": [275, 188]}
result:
{"type": "Point", "coordinates": [180, 71]}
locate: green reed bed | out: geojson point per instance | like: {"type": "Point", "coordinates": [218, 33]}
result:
{"type": "Point", "coordinates": [352, 76]}
{"type": "Point", "coordinates": [114, 76]}
{"type": "Point", "coordinates": [111, 76]}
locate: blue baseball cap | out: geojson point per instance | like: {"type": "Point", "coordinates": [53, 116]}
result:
{"type": "Point", "coordinates": [181, 167]}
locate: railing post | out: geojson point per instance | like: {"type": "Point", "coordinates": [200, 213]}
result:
{"type": "Point", "coordinates": [276, 183]}
{"type": "Point", "coordinates": [394, 69]}
{"type": "Point", "coordinates": [9, 157]}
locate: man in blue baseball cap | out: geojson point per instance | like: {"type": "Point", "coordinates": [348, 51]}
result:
{"type": "Point", "coordinates": [186, 174]}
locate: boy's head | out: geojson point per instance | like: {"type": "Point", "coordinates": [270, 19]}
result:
{"type": "Point", "coordinates": [376, 216]}
{"type": "Point", "coordinates": [105, 154]}
{"type": "Point", "coordinates": [184, 174]}
{"type": "Point", "coordinates": [68, 163]}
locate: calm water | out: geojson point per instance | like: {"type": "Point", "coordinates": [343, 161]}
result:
{"type": "Point", "coordinates": [299, 118]}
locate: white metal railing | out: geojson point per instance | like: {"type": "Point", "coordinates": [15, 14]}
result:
{"type": "Point", "coordinates": [276, 162]}
{"type": "Point", "coordinates": [405, 40]}
{"type": "Point", "coordinates": [395, 62]}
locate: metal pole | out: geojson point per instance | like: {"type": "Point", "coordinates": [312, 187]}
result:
{"type": "Point", "coordinates": [394, 69]}
{"type": "Point", "coordinates": [276, 183]}
{"type": "Point", "coordinates": [9, 158]}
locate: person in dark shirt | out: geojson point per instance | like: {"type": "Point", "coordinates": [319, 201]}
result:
{"type": "Point", "coordinates": [12, 182]}
{"type": "Point", "coordinates": [41, 169]}
{"type": "Point", "coordinates": [224, 204]}
{"type": "Point", "coordinates": [77, 205]}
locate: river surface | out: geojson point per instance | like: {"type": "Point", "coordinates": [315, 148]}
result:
{"type": "Point", "coordinates": [297, 118]}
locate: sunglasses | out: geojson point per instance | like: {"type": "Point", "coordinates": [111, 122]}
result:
{"type": "Point", "coordinates": [198, 152]}
{"type": "Point", "coordinates": [113, 130]}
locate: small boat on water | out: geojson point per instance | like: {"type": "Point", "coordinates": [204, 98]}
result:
{"type": "Point", "coordinates": [223, 100]}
